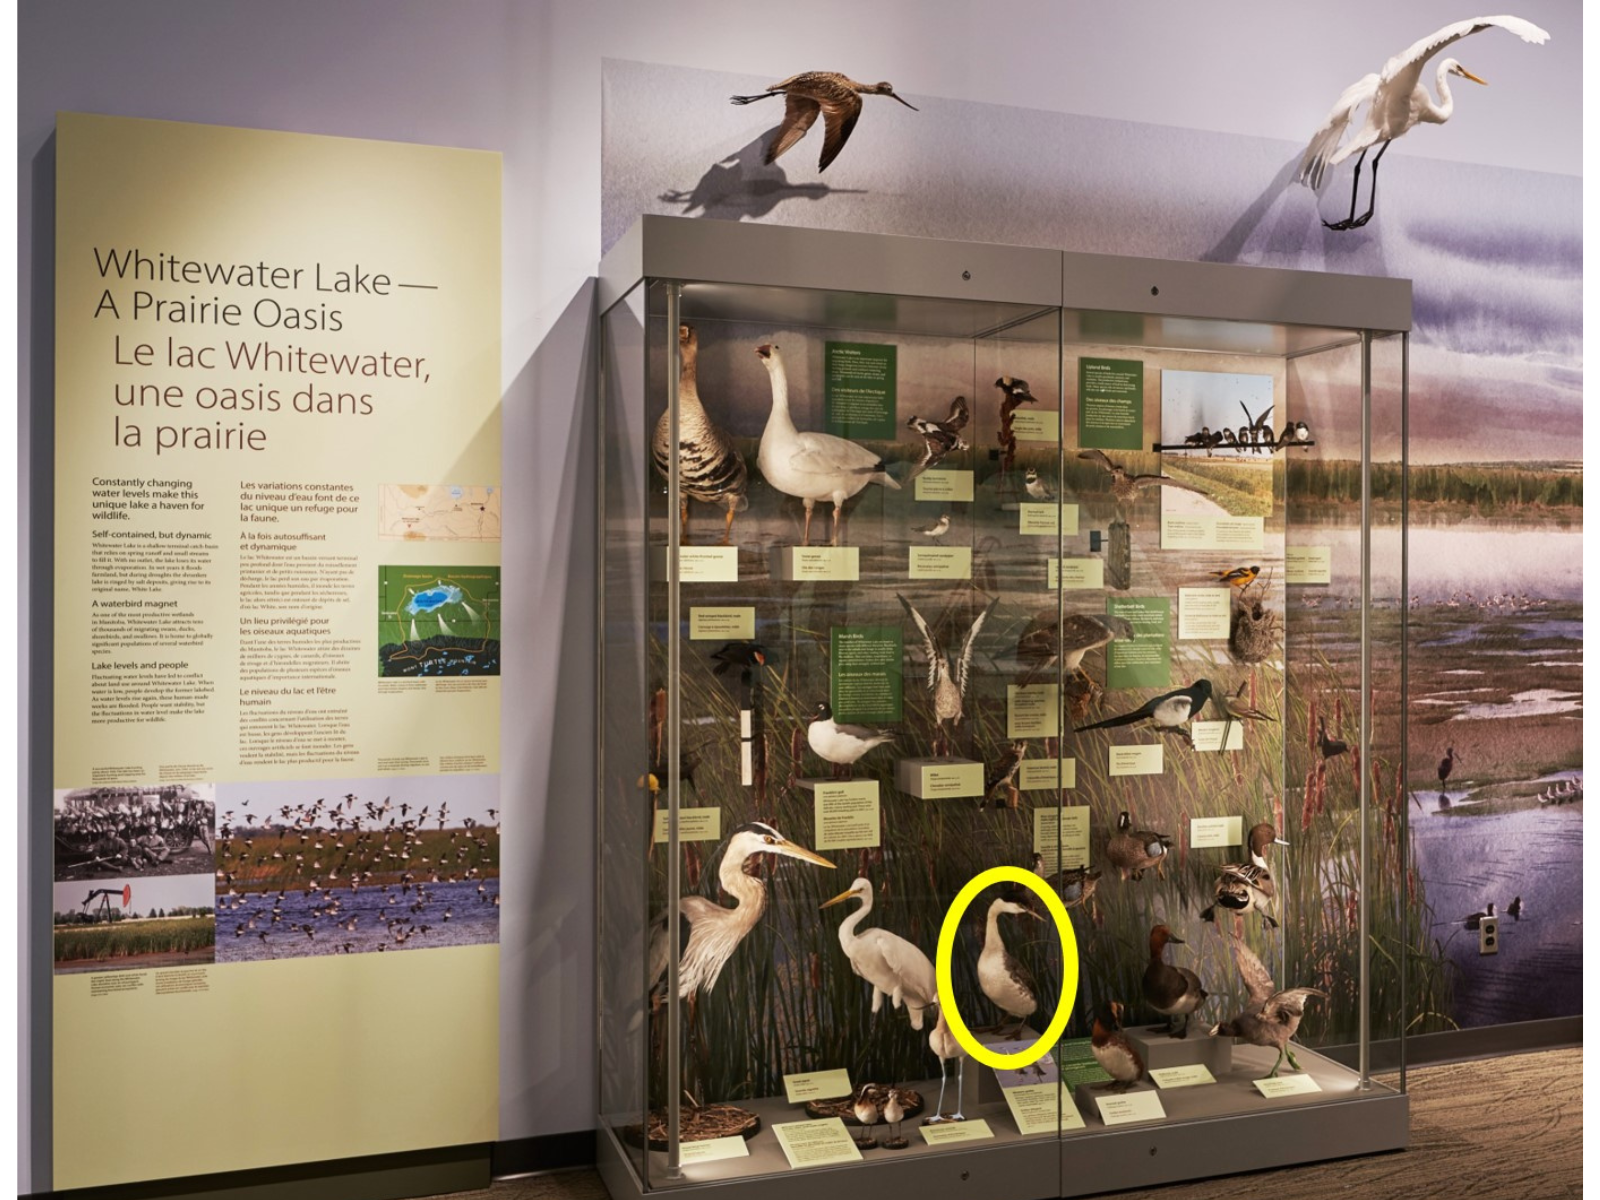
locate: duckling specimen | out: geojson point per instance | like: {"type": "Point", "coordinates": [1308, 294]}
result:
{"type": "Point", "coordinates": [1134, 851]}
{"type": "Point", "coordinates": [1125, 487]}
{"type": "Point", "coordinates": [1246, 886]}
{"type": "Point", "coordinates": [1113, 1050]}
{"type": "Point", "coordinates": [811, 466]}
{"type": "Point", "coordinates": [893, 966]}
{"type": "Point", "coordinates": [1271, 1017]}
{"type": "Point", "coordinates": [947, 681]}
{"type": "Point", "coordinates": [940, 438]}
{"type": "Point", "coordinates": [1003, 979]}
{"type": "Point", "coordinates": [1172, 991]}
{"type": "Point", "coordinates": [837, 97]}
{"type": "Point", "coordinates": [709, 468]}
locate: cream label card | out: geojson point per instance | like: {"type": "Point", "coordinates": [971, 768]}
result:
{"type": "Point", "coordinates": [945, 485]}
{"type": "Point", "coordinates": [1137, 760]}
{"type": "Point", "coordinates": [1215, 833]}
{"type": "Point", "coordinates": [702, 564]}
{"type": "Point", "coordinates": [940, 562]}
{"type": "Point", "coordinates": [1033, 710]}
{"type": "Point", "coordinates": [1181, 1077]}
{"type": "Point", "coordinates": [1036, 425]}
{"type": "Point", "coordinates": [817, 1143]}
{"type": "Point", "coordinates": [1043, 1108]}
{"type": "Point", "coordinates": [939, 778]}
{"type": "Point", "coordinates": [1187, 531]}
{"type": "Point", "coordinates": [1308, 564]}
{"type": "Point", "coordinates": [818, 1085]}
{"type": "Point", "coordinates": [694, 825]}
{"type": "Point", "coordinates": [1208, 735]}
{"type": "Point", "coordinates": [1203, 613]}
{"type": "Point", "coordinates": [847, 815]}
{"type": "Point", "coordinates": [713, 1149]}
{"type": "Point", "coordinates": [721, 624]}
{"type": "Point", "coordinates": [1061, 835]}
{"type": "Point", "coordinates": [1047, 774]}
{"type": "Point", "coordinates": [1048, 519]}
{"type": "Point", "coordinates": [1130, 1108]}
{"type": "Point", "coordinates": [796, 563]}
{"type": "Point", "coordinates": [1077, 574]}
{"type": "Point", "coordinates": [957, 1131]}
{"type": "Point", "coordinates": [1287, 1085]}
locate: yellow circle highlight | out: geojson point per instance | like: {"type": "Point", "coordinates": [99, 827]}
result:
{"type": "Point", "coordinates": [1069, 968]}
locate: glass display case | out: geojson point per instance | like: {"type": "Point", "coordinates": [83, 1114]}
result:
{"type": "Point", "coordinates": [921, 559]}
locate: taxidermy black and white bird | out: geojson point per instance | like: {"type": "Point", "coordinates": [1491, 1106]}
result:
{"type": "Point", "coordinates": [1247, 886]}
{"type": "Point", "coordinates": [1004, 979]}
{"type": "Point", "coordinates": [1036, 488]}
{"type": "Point", "coordinates": [1397, 102]}
{"type": "Point", "coordinates": [947, 678]}
{"type": "Point", "coordinates": [811, 466]}
{"type": "Point", "coordinates": [841, 745]}
{"type": "Point", "coordinates": [835, 96]}
{"type": "Point", "coordinates": [940, 438]}
{"type": "Point", "coordinates": [938, 529]}
{"type": "Point", "coordinates": [709, 469]}
{"type": "Point", "coordinates": [1271, 1017]}
{"type": "Point", "coordinates": [893, 966]}
{"type": "Point", "coordinates": [1166, 712]}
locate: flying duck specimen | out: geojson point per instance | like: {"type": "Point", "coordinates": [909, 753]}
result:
{"type": "Point", "coordinates": [1036, 488]}
{"type": "Point", "coordinates": [1271, 1017]}
{"type": "Point", "coordinates": [947, 680]}
{"type": "Point", "coordinates": [1172, 991]}
{"type": "Point", "coordinates": [1167, 712]}
{"type": "Point", "coordinates": [837, 97]}
{"type": "Point", "coordinates": [1243, 887]}
{"type": "Point", "coordinates": [1113, 1050]}
{"type": "Point", "coordinates": [709, 468]}
{"type": "Point", "coordinates": [1134, 851]}
{"type": "Point", "coordinates": [1045, 640]}
{"type": "Point", "coordinates": [841, 745]}
{"type": "Point", "coordinates": [893, 966]}
{"type": "Point", "coordinates": [938, 529]}
{"type": "Point", "coordinates": [1125, 487]}
{"type": "Point", "coordinates": [1397, 102]}
{"type": "Point", "coordinates": [1003, 979]}
{"type": "Point", "coordinates": [945, 1047]}
{"type": "Point", "coordinates": [940, 438]}
{"type": "Point", "coordinates": [1475, 920]}
{"type": "Point", "coordinates": [811, 466]}
{"type": "Point", "coordinates": [1330, 747]}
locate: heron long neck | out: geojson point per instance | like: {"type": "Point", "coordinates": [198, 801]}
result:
{"type": "Point", "coordinates": [1438, 112]}
{"type": "Point", "coordinates": [749, 891]}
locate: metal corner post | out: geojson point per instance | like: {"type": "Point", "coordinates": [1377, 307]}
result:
{"type": "Point", "coordinates": [1404, 848]}
{"type": "Point", "coordinates": [670, 751]}
{"type": "Point", "coordinates": [1364, 1034]}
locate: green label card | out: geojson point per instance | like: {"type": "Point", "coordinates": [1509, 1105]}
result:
{"type": "Point", "coordinates": [847, 815]}
{"type": "Point", "coordinates": [1077, 1063]}
{"type": "Point", "coordinates": [1110, 404]}
{"type": "Point", "coordinates": [1145, 660]}
{"type": "Point", "coordinates": [817, 1085]}
{"type": "Point", "coordinates": [1033, 710]}
{"type": "Point", "coordinates": [859, 390]}
{"type": "Point", "coordinates": [864, 676]}
{"type": "Point", "coordinates": [816, 1143]}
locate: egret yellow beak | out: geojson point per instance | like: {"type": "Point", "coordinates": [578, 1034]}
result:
{"type": "Point", "coordinates": [1466, 74]}
{"type": "Point", "coordinates": [810, 856]}
{"type": "Point", "coordinates": [839, 899]}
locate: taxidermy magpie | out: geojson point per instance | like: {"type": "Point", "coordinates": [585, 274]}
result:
{"type": "Point", "coordinates": [1167, 711]}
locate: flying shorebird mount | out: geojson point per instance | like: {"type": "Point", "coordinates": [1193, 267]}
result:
{"type": "Point", "coordinates": [848, 665]}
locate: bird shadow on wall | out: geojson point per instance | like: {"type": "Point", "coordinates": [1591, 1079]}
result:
{"type": "Point", "coordinates": [742, 186]}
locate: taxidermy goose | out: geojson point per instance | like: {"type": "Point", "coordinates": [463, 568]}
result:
{"type": "Point", "coordinates": [811, 466]}
{"type": "Point", "coordinates": [709, 468]}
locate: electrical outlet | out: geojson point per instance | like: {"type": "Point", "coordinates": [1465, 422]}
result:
{"type": "Point", "coordinates": [1489, 935]}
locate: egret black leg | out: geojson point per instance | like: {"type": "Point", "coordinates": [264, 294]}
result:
{"type": "Point", "coordinates": [1372, 191]}
{"type": "Point", "coordinates": [1355, 190]}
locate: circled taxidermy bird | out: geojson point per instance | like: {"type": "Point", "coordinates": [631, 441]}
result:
{"type": "Point", "coordinates": [947, 680]}
{"type": "Point", "coordinates": [811, 466]}
{"type": "Point", "coordinates": [1397, 102]}
{"type": "Point", "coordinates": [893, 966]}
{"type": "Point", "coordinates": [1271, 1017]}
{"type": "Point", "coordinates": [1003, 979]}
{"type": "Point", "coordinates": [940, 438]}
{"type": "Point", "coordinates": [709, 469]}
{"type": "Point", "coordinates": [835, 96]}
{"type": "Point", "coordinates": [1125, 487]}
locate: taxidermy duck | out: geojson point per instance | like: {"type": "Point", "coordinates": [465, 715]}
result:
{"type": "Point", "coordinates": [709, 469]}
{"type": "Point", "coordinates": [1114, 1050]}
{"type": "Point", "coordinates": [1246, 887]}
{"type": "Point", "coordinates": [1172, 991]}
{"type": "Point", "coordinates": [1271, 1017]}
{"type": "Point", "coordinates": [1134, 851]}
{"type": "Point", "coordinates": [811, 466]}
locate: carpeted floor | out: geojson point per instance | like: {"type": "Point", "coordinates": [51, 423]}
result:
{"type": "Point", "coordinates": [1535, 1154]}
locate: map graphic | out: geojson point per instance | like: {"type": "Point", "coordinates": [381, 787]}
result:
{"type": "Point", "coordinates": [438, 512]}
{"type": "Point", "coordinates": [438, 621]}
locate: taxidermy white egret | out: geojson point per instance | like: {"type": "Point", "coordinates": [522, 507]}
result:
{"type": "Point", "coordinates": [1397, 102]}
{"type": "Point", "coordinates": [893, 966]}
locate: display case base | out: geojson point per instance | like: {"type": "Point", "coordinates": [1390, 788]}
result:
{"type": "Point", "coordinates": [1199, 1048]}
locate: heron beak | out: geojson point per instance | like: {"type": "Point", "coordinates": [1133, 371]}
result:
{"type": "Point", "coordinates": [810, 856]}
{"type": "Point", "coordinates": [914, 108]}
{"type": "Point", "coordinates": [1466, 74]}
{"type": "Point", "coordinates": [839, 899]}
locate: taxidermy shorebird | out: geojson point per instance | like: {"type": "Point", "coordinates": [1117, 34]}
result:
{"type": "Point", "coordinates": [811, 466]}
{"type": "Point", "coordinates": [837, 97]}
{"type": "Point", "coordinates": [940, 438]}
{"type": "Point", "coordinates": [938, 529]}
{"type": "Point", "coordinates": [1172, 991]}
{"type": "Point", "coordinates": [1271, 1017]}
{"type": "Point", "coordinates": [893, 966]}
{"type": "Point", "coordinates": [1125, 487]}
{"type": "Point", "coordinates": [1003, 979]}
{"type": "Point", "coordinates": [1397, 103]}
{"type": "Point", "coordinates": [945, 1047]}
{"type": "Point", "coordinates": [947, 681]}
{"type": "Point", "coordinates": [1243, 887]}
{"type": "Point", "coordinates": [1044, 640]}
{"type": "Point", "coordinates": [1036, 488]}
{"type": "Point", "coordinates": [709, 469]}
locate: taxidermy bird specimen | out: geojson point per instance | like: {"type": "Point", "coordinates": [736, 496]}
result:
{"type": "Point", "coordinates": [1330, 747]}
{"type": "Point", "coordinates": [1114, 1050]}
{"type": "Point", "coordinates": [865, 1108]}
{"type": "Point", "coordinates": [709, 469]}
{"type": "Point", "coordinates": [945, 1047]}
{"type": "Point", "coordinates": [1014, 394]}
{"type": "Point", "coordinates": [1003, 979]}
{"type": "Point", "coordinates": [1166, 712]}
{"type": "Point", "coordinates": [894, 1111]}
{"type": "Point", "coordinates": [947, 680]}
{"type": "Point", "coordinates": [1044, 640]}
{"type": "Point", "coordinates": [837, 97]}
{"type": "Point", "coordinates": [1239, 577]}
{"type": "Point", "coordinates": [1246, 887]}
{"type": "Point", "coordinates": [1271, 1017]}
{"type": "Point", "coordinates": [940, 438]}
{"type": "Point", "coordinates": [811, 466]}
{"type": "Point", "coordinates": [1397, 102]}
{"type": "Point", "coordinates": [1002, 772]}
{"type": "Point", "coordinates": [893, 966]}
{"type": "Point", "coordinates": [1125, 487]}
{"type": "Point", "coordinates": [1134, 851]}
{"type": "Point", "coordinates": [841, 745]}
{"type": "Point", "coordinates": [938, 529]}
{"type": "Point", "coordinates": [1172, 991]}
{"type": "Point", "coordinates": [1036, 488]}
{"type": "Point", "coordinates": [1231, 710]}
